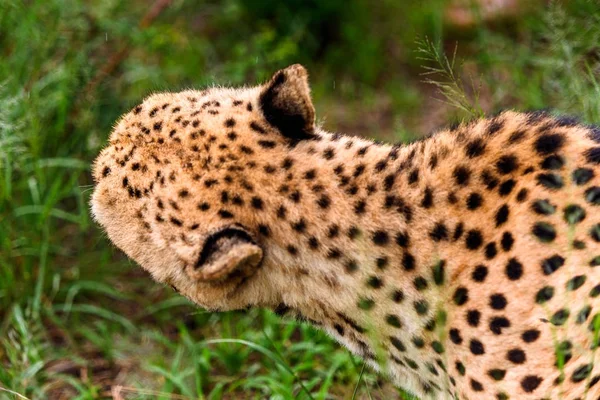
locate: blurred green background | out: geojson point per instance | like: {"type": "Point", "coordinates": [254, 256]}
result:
{"type": "Point", "coordinates": [80, 321]}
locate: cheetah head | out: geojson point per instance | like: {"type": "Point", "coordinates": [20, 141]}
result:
{"type": "Point", "coordinates": [175, 188]}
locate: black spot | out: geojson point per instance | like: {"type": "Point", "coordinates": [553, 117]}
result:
{"type": "Point", "coordinates": [408, 262]}
{"type": "Point", "coordinates": [516, 137]}
{"type": "Point", "coordinates": [458, 231]}
{"type": "Point", "coordinates": [522, 195]}
{"type": "Point", "coordinates": [476, 347]}
{"type": "Point", "coordinates": [257, 203]}
{"type": "Point", "coordinates": [299, 226]}
{"type": "Point", "coordinates": [516, 356]}
{"type": "Point", "coordinates": [583, 314]}
{"type": "Point", "coordinates": [581, 176]}
{"type": "Point", "coordinates": [551, 264]}
{"type": "Point", "coordinates": [324, 201]}
{"type": "Point", "coordinates": [490, 250]}
{"type": "Point", "coordinates": [488, 179]}
{"type": "Point", "coordinates": [418, 342]}
{"type": "Point", "coordinates": [439, 272]}
{"type": "Point", "coordinates": [351, 266]}
{"type": "Point", "coordinates": [225, 214]}
{"type": "Point", "coordinates": [461, 296]}
{"type": "Point", "coordinates": [437, 346]}
{"type": "Point", "coordinates": [576, 282]}
{"type": "Point", "coordinates": [176, 221]}
{"type": "Point", "coordinates": [365, 304]}
{"type": "Point", "coordinates": [388, 182]}
{"type": "Point", "coordinates": [455, 336]}
{"type": "Point", "coordinates": [496, 374]}
{"type": "Point", "coordinates": [553, 162]}
{"type": "Point", "coordinates": [499, 323]}
{"type": "Point", "coordinates": [514, 269]}
{"type": "Point", "coordinates": [411, 363]}
{"type": "Point", "coordinates": [439, 232]}
{"type": "Point", "coordinates": [549, 143]}
{"type": "Point", "coordinates": [295, 196]}
{"type": "Point", "coordinates": [574, 214]}
{"type": "Point", "coordinates": [594, 381]}
{"type": "Point", "coordinates": [474, 239]}
{"type": "Point", "coordinates": [544, 231]}
{"type": "Point", "coordinates": [494, 126]}
{"type": "Point", "coordinates": [560, 317]}
{"type": "Point", "coordinates": [475, 148]}
{"type": "Point", "coordinates": [593, 155]}
{"type": "Point", "coordinates": [360, 168]}
{"type": "Point", "coordinates": [474, 201]}
{"type": "Point", "coordinates": [530, 335]}
{"type": "Point", "coordinates": [421, 307]}
{"type": "Point", "coordinates": [461, 175]}
{"type": "Point", "coordinates": [420, 283]}
{"type": "Point", "coordinates": [595, 291]}
{"type": "Point", "coordinates": [507, 164]}
{"type": "Point", "coordinates": [380, 165]}
{"type": "Point", "coordinates": [543, 207]}
{"type": "Point", "coordinates": [393, 320]}
{"type": "Point", "coordinates": [360, 207]}
{"type": "Point", "coordinates": [329, 153]}
{"type": "Point", "coordinates": [473, 317]}
{"type": "Point", "coordinates": [413, 176]}
{"type": "Point", "coordinates": [498, 301]}
{"type": "Point", "coordinates": [281, 212]}
{"type": "Point", "coordinates": [502, 215]}
{"type": "Point", "coordinates": [334, 254]}
{"type": "Point", "coordinates": [427, 201]}
{"type": "Point", "coordinates": [263, 230]}
{"type": "Point", "coordinates": [530, 383]}
{"type": "Point", "coordinates": [460, 368]}
{"type": "Point", "coordinates": [507, 241]}
{"type": "Point", "coordinates": [313, 243]}
{"type": "Point", "coordinates": [398, 296]}
{"type": "Point", "coordinates": [374, 282]}
{"type": "Point", "coordinates": [382, 262]}
{"type": "Point", "coordinates": [381, 238]}
{"type": "Point", "coordinates": [544, 294]}
{"type": "Point", "coordinates": [479, 273]}
{"type": "Point", "coordinates": [353, 232]}
{"type": "Point", "coordinates": [506, 187]}
{"type": "Point", "coordinates": [550, 181]}
{"type": "Point", "coordinates": [402, 239]}
{"type": "Point", "coordinates": [397, 343]}
{"type": "Point", "coordinates": [582, 372]}
{"type": "Point", "coordinates": [592, 195]}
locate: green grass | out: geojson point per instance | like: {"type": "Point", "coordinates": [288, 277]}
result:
{"type": "Point", "coordinates": [80, 321]}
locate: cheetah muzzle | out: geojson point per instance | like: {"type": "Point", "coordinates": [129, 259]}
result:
{"type": "Point", "coordinates": [464, 265]}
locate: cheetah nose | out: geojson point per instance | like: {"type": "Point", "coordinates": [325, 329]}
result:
{"type": "Point", "coordinates": [228, 251]}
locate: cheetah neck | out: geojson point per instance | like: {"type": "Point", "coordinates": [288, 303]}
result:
{"type": "Point", "coordinates": [346, 205]}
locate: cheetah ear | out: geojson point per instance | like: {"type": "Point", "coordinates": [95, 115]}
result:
{"type": "Point", "coordinates": [286, 104]}
{"type": "Point", "coordinates": [227, 252]}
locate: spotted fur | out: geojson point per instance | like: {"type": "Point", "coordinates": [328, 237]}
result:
{"type": "Point", "coordinates": [464, 265]}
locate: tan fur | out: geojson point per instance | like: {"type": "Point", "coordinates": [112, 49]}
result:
{"type": "Point", "coordinates": [390, 249]}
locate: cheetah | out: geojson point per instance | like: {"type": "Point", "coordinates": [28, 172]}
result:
{"type": "Point", "coordinates": [463, 265]}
